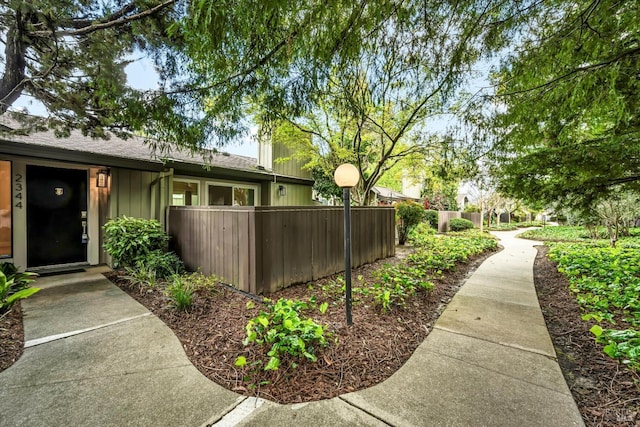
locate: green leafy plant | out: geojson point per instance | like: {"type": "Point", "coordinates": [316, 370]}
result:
{"type": "Point", "coordinates": [460, 224]}
{"type": "Point", "coordinates": [180, 292]}
{"type": "Point", "coordinates": [12, 291]}
{"type": "Point", "coordinates": [141, 275]}
{"type": "Point", "coordinates": [165, 264]}
{"type": "Point", "coordinates": [430, 217]}
{"type": "Point", "coordinates": [620, 344]}
{"type": "Point", "coordinates": [606, 285]}
{"type": "Point", "coordinates": [409, 215]}
{"type": "Point", "coordinates": [280, 326]}
{"type": "Point", "coordinates": [21, 280]}
{"type": "Point", "coordinates": [397, 283]}
{"type": "Point", "coordinates": [128, 240]}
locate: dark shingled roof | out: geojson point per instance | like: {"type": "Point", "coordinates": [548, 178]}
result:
{"type": "Point", "coordinates": [131, 148]}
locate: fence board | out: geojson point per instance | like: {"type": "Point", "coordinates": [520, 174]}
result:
{"type": "Point", "coordinates": [262, 249]}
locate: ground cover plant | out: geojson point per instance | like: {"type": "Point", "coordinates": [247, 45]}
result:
{"type": "Point", "coordinates": [588, 292]}
{"type": "Point", "coordinates": [606, 393]}
{"type": "Point", "coordinates": [606, 284]}
{"type": "Point", "coordinates": [296, 346]}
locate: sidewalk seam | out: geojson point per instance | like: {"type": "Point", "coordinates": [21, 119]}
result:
{"type": "Point", "coordinates": [50, 338]}
{"type": "Point", "coordinates": [217, 418]}
{"type": "Point", "coordinates": [365, 411]}
{"type": "Point", "coordinates": [530, 350]}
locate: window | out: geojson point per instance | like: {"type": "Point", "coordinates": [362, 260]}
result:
{"type": "Point", "coordinates": [230, 195]}
{"type": "Point", "coordinates": [185, 193]}
{"type": "Point", "coordinates": [5, 209]}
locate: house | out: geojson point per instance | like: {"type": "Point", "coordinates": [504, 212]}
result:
{"type": "Point", "coordinates": [387, 196]}
{"type": "Point", "coordinates": [57, 193]}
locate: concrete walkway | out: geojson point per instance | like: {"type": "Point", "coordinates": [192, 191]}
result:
{"type": "Point", "coordinates": [488, 362]}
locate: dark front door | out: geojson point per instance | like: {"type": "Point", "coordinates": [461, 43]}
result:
{"type": "Point", "coordinates": [56, 211]}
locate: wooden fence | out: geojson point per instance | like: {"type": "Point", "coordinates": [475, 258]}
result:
{"type": "Point", "coordinates": [445, 216]}
{"type": "Point", "coordinates": [264, 248]}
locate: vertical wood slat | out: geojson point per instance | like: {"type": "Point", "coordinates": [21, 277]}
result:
{"type": "Point", "coordinates": [263, 249]}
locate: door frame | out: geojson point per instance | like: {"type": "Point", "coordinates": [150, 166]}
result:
{"type": "Point", "coordinates": [19, 216]}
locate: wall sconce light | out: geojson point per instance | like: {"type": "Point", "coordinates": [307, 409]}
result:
{"type": "Point", "coordinates": [282, 190]}
{"type": "Point", "coordinates": [102, 178]}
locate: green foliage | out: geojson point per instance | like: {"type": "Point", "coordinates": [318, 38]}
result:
{"type": "Point", "coordinates": [201, 281]}
{"type": "Point", "coordinates": [180, 292]}
{"type": "Point", "coordinates": [397, 283]}
{"type": "Point", "coordinates": [460, 224]}
{"type": "Point", "coordinates": [431, 218]}
{"type": "Point", "coordinates": [141, 275]}
{"type": "Point", "coordinates": [606, 284]}
{"type": "Point", "coordinates": [51, 43]}
{"type": "Point", "coordinates": [14, 288]}
{"type": "Point", "coordinates": [569, 125]}
{"type": "Point", "coordinates": [165, 264]}
{"type": "Point", "coordinates": [409, 215]}
{"type": "Point", "coordinates": [432, 256]}
{"type": "Point", "coordinates": [19, 280]}
{"type": "Point", "coordinates": [281, 326]}
{"type": "Point", "coordinates": [128, 240]}
{"type": "Point", "coordinates": [620, 344]}
{"type": "Point", "coordinates": [436, 254]}
{"type": "Point", "coordinates": [420, 234]}
{"type": "Point", "coordinates": [594, 235]}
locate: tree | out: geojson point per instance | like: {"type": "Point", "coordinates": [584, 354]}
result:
{"type": "Point", "coordinates": [373, 108]}
{"type": "Point", "coordinates": [71, 56]}
{"type": "Point", "coordinates": [569, 121]}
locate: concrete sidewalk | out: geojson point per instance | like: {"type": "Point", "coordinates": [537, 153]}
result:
{"type": "Point", "coordinates": [488, 362]}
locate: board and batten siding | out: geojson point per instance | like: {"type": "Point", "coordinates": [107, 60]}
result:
{"type": "Point", "coordinates": [263, 249]}
{"type": "Point", "coordinates": [296, 195]}
{"type": "Point", "coordinates": [290, 167]}
{"type": "Point", "coordinates": [138, 194]}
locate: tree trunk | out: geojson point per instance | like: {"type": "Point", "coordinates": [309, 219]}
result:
{"type": "Point", "coordinates": [13, 79]}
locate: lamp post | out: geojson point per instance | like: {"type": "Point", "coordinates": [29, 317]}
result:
{"type": "Point", "coordinates": [347, 176]}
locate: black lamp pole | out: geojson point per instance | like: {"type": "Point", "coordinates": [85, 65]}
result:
{"type": "Point", "coordinates": [347, 251]}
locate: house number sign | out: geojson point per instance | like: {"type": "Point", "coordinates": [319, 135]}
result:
{"type": "Point", "coordinates": [18, 188]}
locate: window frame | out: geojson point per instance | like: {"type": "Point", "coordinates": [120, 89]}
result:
{"type": "Point", "coordinates": [11, 186]}
{"type": "Point", "coordinates": [233, 186]}
{"type": "Point", "coordinates": [187, 181]}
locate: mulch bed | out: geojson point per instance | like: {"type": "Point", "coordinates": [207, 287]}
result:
{"type": "Point", "coordinates": [360, 356]}
{"type": "Point", "coordinates": [607, 393]}
{"type": "Point", "coordinates": [11, 337]}
{"type": "Point", "coordinates": [376, 345]}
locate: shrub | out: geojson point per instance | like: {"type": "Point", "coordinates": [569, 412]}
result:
{"type": "Point", "coordinates": [409, 215]}
{"type": "Point", "coordinates": [165, 264]}
{"type": "Point", "coordinates": [460, 224]}
{"type": "Point", "coordinates": [280, 325]}
{"type": "Point", "coordinates": [129, 240]}
{"type": "Point", "coordinates": [14, 287]}
{"type": "Point", "coordinates": [431, 218]}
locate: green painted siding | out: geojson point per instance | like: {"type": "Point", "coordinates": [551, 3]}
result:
{"type": "Point", "coordinates": [132, 194]}
{"type": "Point", "coordinates": [296, 195]}
{"type": "Point", "coordinates": [291, 167]}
